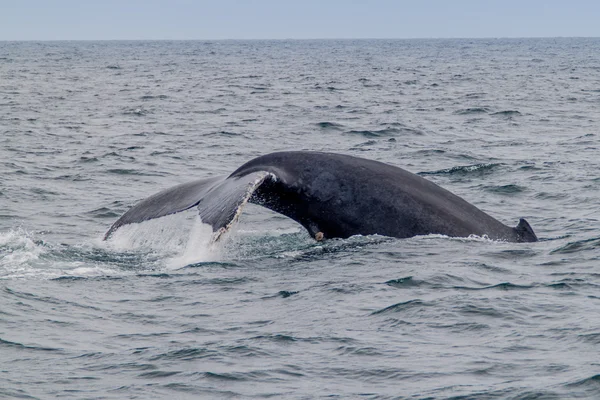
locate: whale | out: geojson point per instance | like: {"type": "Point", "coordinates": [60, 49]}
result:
{"type": "Point", "coordinates": [332, 196]}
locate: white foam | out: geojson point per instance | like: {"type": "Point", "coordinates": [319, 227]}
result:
{"type": "Point", "coordinates": [90, 271]}
{"type": "Point", "coordinates": [23, 257]}
{"type": "Point", "coordinates": [182, 239]}
{"type": "Point", "coordinates": [179, 239]}
{"type": "Point", "coordinates": [470, 238]}
{"type": "Point", "coordinates": [200, 247]}
{"type": "Point", "coordinates": [20, 248]}
{"type": "Point", "coordinates": [170, 242]}
{"type": "Point", "coordinates": [166, 235]}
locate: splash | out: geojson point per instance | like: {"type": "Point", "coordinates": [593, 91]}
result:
{"type": "Point", "coordinates": [17, 249]}
{"type": "Point", "coordinates": [201, 246]}
{"type": "Point", "coordinates": [22, 256]}
{"type": "Point", "coordinates": [179, 239]}
{"type": "Point", "coordinates": [464, 169]}
{"type": "Point", "coordinates": [183, 238]}
{"type": "Point", "coordinates": [167, 234]}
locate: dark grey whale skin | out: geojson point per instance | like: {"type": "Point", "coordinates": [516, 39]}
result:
{"type": "Point", "coordinates": [331, 194]}
{"type": "Point", "coordinates": [341, 196]}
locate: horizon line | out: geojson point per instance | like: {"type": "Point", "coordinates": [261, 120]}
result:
{"type": "Point", "coordinates": [301, 39]}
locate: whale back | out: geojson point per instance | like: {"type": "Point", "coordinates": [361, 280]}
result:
{"type": "Point", "coordinates": [341, 195]}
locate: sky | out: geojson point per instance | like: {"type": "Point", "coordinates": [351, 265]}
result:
{"type": "Point", "coordinates": [298, 19]}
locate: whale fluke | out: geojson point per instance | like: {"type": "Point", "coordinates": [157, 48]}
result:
{"type": "Point", "coordinates": [218, 200]}
{"type": "Point", "coordinates": [331, 195]}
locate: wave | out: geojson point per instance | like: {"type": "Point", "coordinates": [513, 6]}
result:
{"type": "Point", "coordinates": [589, 382]}
{"type": "Point", "coordinates": [139, 111]}
{"type": "Point", "coordinates": [407, 282]}
{"type": "Point", "coordinates": [385, 132]}
{"type": "Point", "coordinates": [500, 286]}
{"type": "Point", "coordinates": [225, 133]}
{"type": "Point", "coordinates": [505, 189]}
{"type": "Point", "coordinates": [454, 282]}
{"type": "Point", "coordinates": [17, 251]}
{"type": "Point", "coordinates": [23, 256]}
{"type": "Point", "coordinates": [402, 306]}
{"type": "Point", "coordinates": [329, 125]}
{"type": "Point", "coordinates": [464, 169]}
{"type": "Point", "coordinates": [20, 346]}
{"type": "Point", "coordinates": [125, 171]}
{"type": "Point", "coordinates": [507, 113]}
{"type": "Point", "coordinates": [374, 133]}
{"type": "Point", "coordinates": [579, 245]}
{"type": "Point", "coordinates": [150, 97]}
{"type": "Point", "coordinates": [473, 110]}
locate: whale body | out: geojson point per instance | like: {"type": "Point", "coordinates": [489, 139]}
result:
{"type": "Point", "coordinates": [332, 196]}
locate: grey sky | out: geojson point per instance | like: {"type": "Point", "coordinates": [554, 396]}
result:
{"type": "Point", "coordinates": [271, 19]}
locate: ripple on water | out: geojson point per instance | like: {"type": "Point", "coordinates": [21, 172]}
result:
{"type": "Point", "coordinates": [409, 305]}
{"type": "Point", "coordinates": [582, 245]}
{"type": "Point", "coordinates": [330, 125]}
{"type": "Point", "coordinates": [475, 169]}
{"type": "Point", "coordinates": [403, 283]}
{"type": "Point", "coordinates": [508, 190]}
{"type": "Point", "coordinates": [473, 111]}
{"type": "Point", "coordinates": [507, 113]}
{"type": "Point", "coordinates": [587, 387]}
{"type": "Point", "coordinates": [19, 346]}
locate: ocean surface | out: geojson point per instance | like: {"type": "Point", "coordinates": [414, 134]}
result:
{"type": "Point", "coordinates": [87, 129]}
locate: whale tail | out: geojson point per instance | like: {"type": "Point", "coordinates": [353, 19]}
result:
{"type": "Point", "coordinates": [219, 201]}
{"type": "Point", "coordinates": [524, 232]}
{"type": "Point", "coordinates": [331, 195]}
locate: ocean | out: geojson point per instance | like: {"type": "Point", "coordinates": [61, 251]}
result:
{"type": "Point", "coordinates": [88, 128]}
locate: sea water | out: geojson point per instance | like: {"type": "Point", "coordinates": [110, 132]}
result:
{"type": "Point", "coordinates": [159, 311]}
